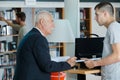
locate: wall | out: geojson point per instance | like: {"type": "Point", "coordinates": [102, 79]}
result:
{"type": "Point", "coordinates": [29, 23]}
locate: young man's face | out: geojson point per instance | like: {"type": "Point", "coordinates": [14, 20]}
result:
{"type": "Point", "coordinates": [100, 17]}
{"type": "Point", "coordinates": [17, 20]}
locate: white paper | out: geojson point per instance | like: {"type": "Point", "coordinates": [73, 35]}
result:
{"type": "Point", "coordinates": [90, 59]}
{"type": "Point", "coordinates": [60, 59]}
{"type": "Point", "coordinates": [80, 60]}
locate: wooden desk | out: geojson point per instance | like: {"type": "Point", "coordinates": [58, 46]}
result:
{"type": "Point", "coordinates": [82, 72]}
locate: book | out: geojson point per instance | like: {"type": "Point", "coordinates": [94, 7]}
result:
{"type": "Point", "coordinates": [90, 59]}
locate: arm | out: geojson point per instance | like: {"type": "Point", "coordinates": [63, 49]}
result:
{"type": "Point", "coordinates": [8, 22]}
{"type": "Point", "coordinates": [15, 26]}
{"type": "Point", "coordinates": [42, 56]}
{"type": "Point", "coordinates": [113, 58]}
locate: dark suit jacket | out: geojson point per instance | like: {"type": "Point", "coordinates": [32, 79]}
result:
{"type": "Point", "coordinates": [33, 58]}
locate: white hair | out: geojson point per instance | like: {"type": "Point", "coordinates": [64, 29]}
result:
{"type": "Point", "coordinates": [42, 15]}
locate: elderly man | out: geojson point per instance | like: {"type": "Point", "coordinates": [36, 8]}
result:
{"type": "Point", "coordinates": [33, 58]}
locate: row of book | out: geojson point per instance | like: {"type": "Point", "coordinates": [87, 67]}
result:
{"type": "Point", "coordinates": [8, 14]}
{"type": "Point", "coordinates": [5, 30]}
{"type": "Point", "coordinates": [82, 13]}
{"type": "Point", "coordinates": [7, 60]}
{"type": "Point", "coordinates": [7, 46]}
{"type": "Point", "coordinates": [54, 53]}
{"type": "Point", "coordinates": [55, 50]}
{"type": "Point", "coordinates": [7, 74]}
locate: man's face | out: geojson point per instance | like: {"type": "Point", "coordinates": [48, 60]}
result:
{"type": "Point", "coordinates": [18, 20]}
{"type": "Point", "coordinates": [48, 25]}
{"type": "Point", "coordinates": [100, 17]}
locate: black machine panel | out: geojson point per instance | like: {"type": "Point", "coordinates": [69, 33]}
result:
{"type": "Point", "coordinates": [88, 47]}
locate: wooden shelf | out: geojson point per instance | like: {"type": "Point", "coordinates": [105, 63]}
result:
{"type": "Point", "coordinates": [7, 52]}
{"type": "Point", "coordinates": [85, 21]}
{"type": "Point", "coordinates": [56, 46]}
{"type": "Point", "coordinates": [7, 66]}
{"type": "Point", "coordinates": [9, 35]}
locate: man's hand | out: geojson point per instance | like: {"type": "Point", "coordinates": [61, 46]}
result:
{"type": "Point", "coordinates": [72, 61]}
{"type": "Point", "coordinates": [89, 63]}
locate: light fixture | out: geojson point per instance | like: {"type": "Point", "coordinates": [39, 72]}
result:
{"type": "Point", "coordinates": [62, 33]}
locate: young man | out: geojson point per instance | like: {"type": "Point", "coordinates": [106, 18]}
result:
{"type": "Point", "coordinates": [19, 26]}
{"type": "Point", "coordinates": [110, 61]}
{"type": "Point", "coordinates": [33, 56]}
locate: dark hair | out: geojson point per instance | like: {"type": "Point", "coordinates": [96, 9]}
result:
{"type": "Point", "coordinates": [21, 15]}
{"type": "Point", "coordinates": [105, 6]}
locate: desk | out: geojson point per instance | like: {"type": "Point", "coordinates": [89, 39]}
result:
{"type": "Point", "coordinates": [82, 72]}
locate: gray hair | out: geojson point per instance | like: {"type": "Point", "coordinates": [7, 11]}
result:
{"type": "Point", "coordinates": [42, 15]}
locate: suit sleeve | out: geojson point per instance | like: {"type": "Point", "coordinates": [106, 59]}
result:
{"type": "Point", "coordinates": [42, 56]}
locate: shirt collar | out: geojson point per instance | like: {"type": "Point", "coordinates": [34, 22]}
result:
{"type": "Point", "coordinates": [39, 31]}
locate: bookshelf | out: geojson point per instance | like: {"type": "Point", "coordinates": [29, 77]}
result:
{"type": "Point", "coordinates": [8, 44]}
{"type": "Point", "coordinates": [57, 49]}
{"type": "Point", "coordinates": [7, 57]}
{"type": "Point", "coordinates": [85, 22]}
{"type": "Point", "coordinates": [117, 14]}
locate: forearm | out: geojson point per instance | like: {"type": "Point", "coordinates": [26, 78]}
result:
{"type": "Point", "coordinates": [15, 26]}
{"type": "Point", "coordinates": [9, 23]}
{"type": "Point", "coordinates": [113, 58]}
